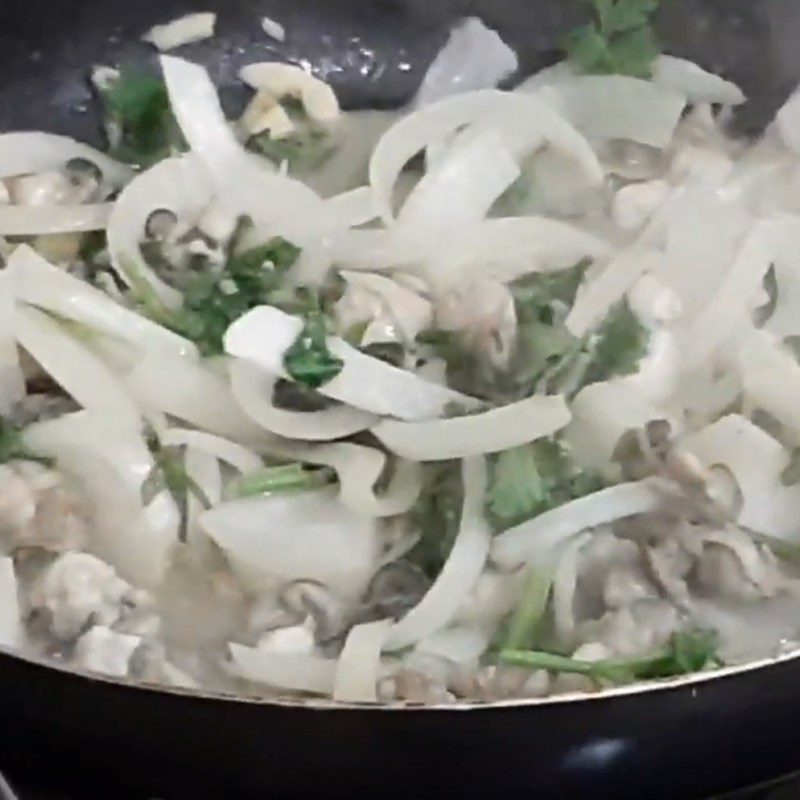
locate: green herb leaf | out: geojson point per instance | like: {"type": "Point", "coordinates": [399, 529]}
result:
{"type": "Point", "coordinates": [620, 40]}
{"type": "Point", "coordinates": [303, 153]}
{"type": "Point", "coordinates": [527, 481]}
{"type": "Point", "coordinates": [308, 361]}
{"type": "Point", "coordinates": [138, 109]}
{"type": "Point", "coordinates": [686, 652]}
{"type": "Point", "coordinates": [618, 345]}
{"type": "Point", "coordinates": [436, 515]}
{"type": "Point", "coordinates": [284, 478]}
{"type": "Point", "coordinates": [12, 447]}
{"type": "Point", "coordinates": [213, 302]}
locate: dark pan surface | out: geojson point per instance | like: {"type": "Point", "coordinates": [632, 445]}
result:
{"type": "Point", "coordinates": [688, 742]}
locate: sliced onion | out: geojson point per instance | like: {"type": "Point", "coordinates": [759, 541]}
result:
{"type": "Point", "coordinates": [32, 151]}
{"type": "Point", "coordinates": [477, 169]}
{"type": "Point", "coordinates": [524, 123]}
{"type": "Point", "coordinates": [253, 389]}
{"type": "Point", "coordinates": [459, 644]}
{"type": "Point", "coordinates": [461, 570]}
{"type": "Point", "coordinates": [192, 392]}
{"type": "Point", "coordinates": [12, 381]}
{"type": "Point", "coordinates": [617, 107]}
{"type": "Point", "coordinates": [285, 537]}
{"type": "Point", "coordinates": [565, 582]}
{"type": "Point", "coordinates": [111, 462]}
{"type": "Point", "coordinates": [357, 671]}
{"type": "Point", "coordinates": [11, 633]}
{"type": "Point", "coordinates": [286, 672]}
{"type": "Point", "coordinates": [359, 469]}
{"type": "Point", "coordinates": [31, 220]}
{"type": "Point", "coordinates": [597, 296]}
{"type": "Point", "coordinates": [475, 57]}
{"type": "Point", "coordinates": [771, 378]}
{"type": "Point", "coordinates": [537, 540]}
{"type": "Point", "coordinates": [41, 284]}
{"type": "Point", "coordinates": [204, 469]}
{"type": "Point", "coordinates": [184, 30]}
{"type": "Point", "coordinates": [475, 434]}
{"type": "Point", "coordinates": [233, 454]}
{"type": "Point", "coordinates": [756, 461]}
{"type": "Point", "coordinates": [245, 182]}
{"type": "Point", "coordinates": [75, 368]}
{"type": "Point", "coordinates": [180, 185]}
{"type": "Point", "coordinates": [264, 334]}
{"type": "Point", "coordinates": [769, 241]}
{"type": "Point", "coordinates": [694, 83]}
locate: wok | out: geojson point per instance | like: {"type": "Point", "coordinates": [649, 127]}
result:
{"type": "Point", "coordinates": [688, 739]}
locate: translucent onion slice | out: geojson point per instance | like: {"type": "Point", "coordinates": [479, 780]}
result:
{"type": "Point", "coordinates": [477, 169]}
{"type": "Point", "coordinates": [756, 461]}
{"type": "Point", "coordinates": [475, 434]}
{"type": "Point", "coordinates": [285, 537]}
{"type": "Point", "coordinates": [32, 151]}
{"type": "Point", "coordinates": [253, 389]}
{"type": "Point", "coordinates": [75, 368]}
{"type": "Point", "coordinates": [32, 220]}
{"type": "Point", "coordinates": [617, 107]}
{"type": "Point", "coordinates": [12, 381]}
{"type": "Point", "coordinates": [111, 462]}
{"type": "Point", "coordinates": [184, 30]}
{"type": "Point", "coordinates": [461, 570]}
{"type": "Point", "coordinates": [771, 378]}
{"type": "Point", "coordinates": [246, 182]}
{"type": "Point", "coordinates": [597, 295]}
{"type": "Point", "coordinates": [291, 673]}
{"type": "Point", "coordinates": [264, 334]}
{"type": "Point", "coordinates": [41, 284]}
{"type": "Point", "coordinates": [204, 469]}
{"type": "Point", "coordinates": [180, 185]}
{"type": "Point", "coordinates": [565, 583]}
{"type": "Point", "coordinates": [358, 667]}
{"type": "Point", "coordinates": [475, 57]}
{"type": "Point", "coordinates": [769, 241]}
{"type": "Point", "coordinates": [240, 458]}
{"type": "Point", "coordinates": [459, 644]}
{"type": "Point", "coordinates": [359, 468]}
{"type": "Point", "coordinates": [536, 541]}
{"type": "Point", "coordinates": [192, 392]}
{"type": "Point", "coordinates": [11, 633]}
{"type": "Point", "coordinates": [525, 123]}
{"type": "Point", "coordinates": [694, 83]}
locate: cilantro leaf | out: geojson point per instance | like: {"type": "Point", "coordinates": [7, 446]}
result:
{"type": "Point", "coordinates": [618, 345]}
{"type": "Point", "coordinates": [213, 302]}
{"type": "Point", "coordinates": [284, 478]}
{"type": "Point", "coordinates": [302, 153]}
{"type": "Point", "coordinates": [143, 128]}
{"type": "Point", "coordinates": [308, 361]}
{"type": "Point", "coordinates": [686, 652]}
{"type": "Point", "coordinates": [12, 447]}
{"type": "Point", "coordinates": [619, 40]}
{"type": "Point", "coordinates": [529, 480]}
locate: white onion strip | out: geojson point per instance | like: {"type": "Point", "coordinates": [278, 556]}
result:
{"type": "Point", "coordinates": [192, 392]}
{"type": "Point", "coordinates": [12, 381]}
{"type": "Point", "coordinates": [293, 673]}
{"type": "Point", "coordinates": [357, 671]}
{"type": "Point", "coordinates": [537, 539]}
{"type": "Point", "coordinates": [31, 151]}
{"type": "Point", "coordinates": [78, 371]}
{"type": "Point", "coordinates": [41, 284]}
{"type": "Point", "coordinates": [531, 121]}
{"type": "Point", "coordinates": [237, 456]}
{"type": "Point", "coordinates": [358, 468]}
{"type": "Point", "coordinates": [31, 220]}
{"type": "Point", "coordinates": [264, 334]}
{"type": "Point", "coordinates": [475, 434]}
{"type": "Point", "coordinates": [253, 389]}
{"type": "Point", "coordinates": [461, 570]}
{"type": "Point", "coordinates": [180, 185]}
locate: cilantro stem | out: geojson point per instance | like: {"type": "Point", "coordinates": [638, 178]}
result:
{"type": "Point", "coordinates": [529, 612]}
{"type": "Point", "coordinates": [284, 478]}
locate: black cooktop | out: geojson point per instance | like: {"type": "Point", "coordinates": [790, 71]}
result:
{"type": "Point", "coordinates": [13, 789]}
